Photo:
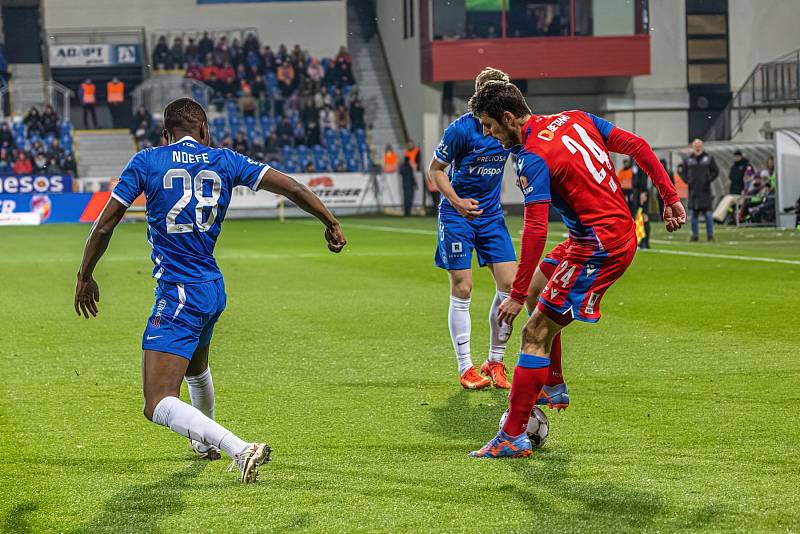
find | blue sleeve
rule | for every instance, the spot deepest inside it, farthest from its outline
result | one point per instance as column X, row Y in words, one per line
column 247, row 171
column 132, row 180
column 602, row 125
column 451, row 145
column 533, row 178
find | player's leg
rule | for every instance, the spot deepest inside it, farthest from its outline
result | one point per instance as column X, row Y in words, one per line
column 530, row 375
column 554, row 393
column 495, row 249
column 499, row 332
column 454, row 253
column 201, row 392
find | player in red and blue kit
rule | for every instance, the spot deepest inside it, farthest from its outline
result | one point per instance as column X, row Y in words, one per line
column 563, row 159
column 188, row 187
column 471, row 219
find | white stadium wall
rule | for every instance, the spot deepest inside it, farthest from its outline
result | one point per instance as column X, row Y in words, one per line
column 320, row 27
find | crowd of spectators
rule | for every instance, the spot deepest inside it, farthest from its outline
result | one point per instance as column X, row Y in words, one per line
column 39, row 144
column 266, row 103
column 754, row 191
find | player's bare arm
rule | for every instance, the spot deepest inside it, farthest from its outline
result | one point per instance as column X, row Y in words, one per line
column 87, row 293
column 281, row 184
column 466, row 207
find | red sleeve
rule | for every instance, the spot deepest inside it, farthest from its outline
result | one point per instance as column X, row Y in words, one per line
column 534, row 236
column 625, row 142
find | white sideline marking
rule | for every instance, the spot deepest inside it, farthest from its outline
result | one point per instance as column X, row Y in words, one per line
column 722, row 256
column 417, row 231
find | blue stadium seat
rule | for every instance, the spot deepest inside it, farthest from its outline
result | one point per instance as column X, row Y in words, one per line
column 329, row 136
column 353, row 165
column 200, row 95
column 286, row 152
column 361, row 136
column 65, row 127
column 267, row 125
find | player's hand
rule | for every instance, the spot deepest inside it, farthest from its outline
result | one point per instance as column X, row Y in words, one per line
column 467, row 207
column 508, row 310
column 87, row 295
column 335, row 238
column 674, row 216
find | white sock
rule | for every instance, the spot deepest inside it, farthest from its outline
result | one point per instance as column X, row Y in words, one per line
column 190, row 422
column 201, row 391
column 498, row 332
column 460, row 327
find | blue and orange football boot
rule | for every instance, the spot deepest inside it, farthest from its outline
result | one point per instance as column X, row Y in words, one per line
column 554, row 397
column 505, row 446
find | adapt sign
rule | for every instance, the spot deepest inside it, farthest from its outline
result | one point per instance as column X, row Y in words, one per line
column 94, row 55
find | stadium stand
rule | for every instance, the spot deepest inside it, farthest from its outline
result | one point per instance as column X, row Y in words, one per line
column 297, row 112
column 38, row 143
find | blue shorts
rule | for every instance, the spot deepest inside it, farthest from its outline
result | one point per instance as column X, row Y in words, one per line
column 458, row 237
column 184, row 316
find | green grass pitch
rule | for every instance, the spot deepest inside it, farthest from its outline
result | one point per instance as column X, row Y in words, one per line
column 685, row 396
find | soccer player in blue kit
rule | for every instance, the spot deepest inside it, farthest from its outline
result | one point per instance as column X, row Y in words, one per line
column 471, row 218
column 188, row 187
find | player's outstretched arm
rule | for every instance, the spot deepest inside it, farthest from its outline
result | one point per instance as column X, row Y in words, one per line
column 281, row 184
column 467, row 207
column 87, row 293
column 625, row 142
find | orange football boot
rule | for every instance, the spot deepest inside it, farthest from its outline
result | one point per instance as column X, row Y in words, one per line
column 497, row 372
column 470, row 379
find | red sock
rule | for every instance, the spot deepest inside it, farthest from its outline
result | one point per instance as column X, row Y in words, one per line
column 554, row 371
column 530, row 375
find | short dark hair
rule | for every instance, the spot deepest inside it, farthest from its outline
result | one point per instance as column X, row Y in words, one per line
column 496, row 97
column 184, row 114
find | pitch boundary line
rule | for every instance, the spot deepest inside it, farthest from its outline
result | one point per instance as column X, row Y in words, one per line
column 417, row 231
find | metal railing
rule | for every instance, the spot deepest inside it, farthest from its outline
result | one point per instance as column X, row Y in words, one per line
column 775, row 84
column 23, row 95
column 158, row 91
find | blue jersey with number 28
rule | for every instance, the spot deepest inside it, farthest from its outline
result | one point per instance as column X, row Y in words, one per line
column 188, row 188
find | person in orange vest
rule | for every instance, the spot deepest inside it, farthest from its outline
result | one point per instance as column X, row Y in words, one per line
column 88, row 97
column 389, row 160
column 625, row 177
column 414, row 157
column 115, row 96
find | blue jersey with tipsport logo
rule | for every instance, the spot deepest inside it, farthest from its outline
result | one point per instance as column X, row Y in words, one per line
column 476, row 164
column 188, row 188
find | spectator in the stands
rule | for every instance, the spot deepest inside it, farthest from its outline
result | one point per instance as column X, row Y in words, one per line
column 209, row 69
column 310, row 112
column 56, row 152
column 299, row 134
column 248, row 105
column 327, row 118
column 176, row 55
column 268, row 60
column 312, row 134
column 5, row 161
column 227, row 71
column 315, row 71
column 772, row 173
column 286, row 78
column 205, row 46
column 357, row 114
column 250, row 43
column 342, row 73
column 285, row 131
column 240, row 143
column 6, row 136
column 344, row 54
column 22, row 165
column 229, row 88
column 191, row 54
column 272, row 147
column 193, row 71
column 221, row 52
column 140, row 116
column 39, row 163
column 342, row 118
column 235, row 52
column 50, row 121
column 701, row 170
column 33, row 122
column 282, row 54
column 161, row 53
column 69, row 166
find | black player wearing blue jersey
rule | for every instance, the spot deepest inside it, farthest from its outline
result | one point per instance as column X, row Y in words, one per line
column 471, row 218
column 188, row 187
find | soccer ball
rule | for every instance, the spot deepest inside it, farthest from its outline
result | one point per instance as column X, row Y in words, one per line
column 538, row 427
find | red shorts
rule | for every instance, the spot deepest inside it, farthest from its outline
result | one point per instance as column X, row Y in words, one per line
column 579, row 275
